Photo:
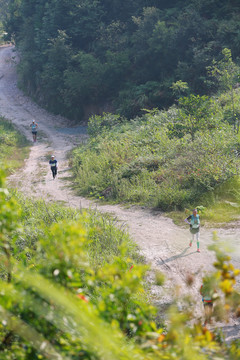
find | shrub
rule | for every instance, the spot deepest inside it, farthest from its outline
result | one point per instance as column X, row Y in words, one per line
column 98, row 124
column 171, row 196
column 139, row 163
column 54, row 305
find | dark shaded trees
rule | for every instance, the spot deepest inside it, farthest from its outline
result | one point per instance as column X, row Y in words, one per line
column 135, row 50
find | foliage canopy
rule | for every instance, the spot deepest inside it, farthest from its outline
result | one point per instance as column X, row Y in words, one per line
column 81, row 55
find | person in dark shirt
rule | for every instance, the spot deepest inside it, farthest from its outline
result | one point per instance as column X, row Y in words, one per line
column 53, row 164
column 194, row 222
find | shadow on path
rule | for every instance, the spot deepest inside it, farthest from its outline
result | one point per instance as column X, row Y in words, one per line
column 182, row 254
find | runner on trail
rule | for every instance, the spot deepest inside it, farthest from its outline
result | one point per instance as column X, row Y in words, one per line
column 194, row 222
column 34, row 126
column 53, row 165
column 207, row 299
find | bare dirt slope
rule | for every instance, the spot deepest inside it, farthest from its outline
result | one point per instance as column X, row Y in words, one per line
column 164, row 245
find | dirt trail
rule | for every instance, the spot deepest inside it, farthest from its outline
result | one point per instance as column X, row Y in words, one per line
column 164, row 245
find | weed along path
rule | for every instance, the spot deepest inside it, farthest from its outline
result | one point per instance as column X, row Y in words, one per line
column 164, row 245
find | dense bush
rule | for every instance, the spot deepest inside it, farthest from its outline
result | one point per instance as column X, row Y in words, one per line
column 126, row 56
column 143, row 162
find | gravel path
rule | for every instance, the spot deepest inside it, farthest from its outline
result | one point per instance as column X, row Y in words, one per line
column 163, row 244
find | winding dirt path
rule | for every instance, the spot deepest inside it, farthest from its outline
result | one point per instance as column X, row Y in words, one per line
column 164, row 245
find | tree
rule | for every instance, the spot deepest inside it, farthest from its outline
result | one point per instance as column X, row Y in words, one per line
column 195, row 113
column 179, row 88
column 226, row 72
column 4, row 5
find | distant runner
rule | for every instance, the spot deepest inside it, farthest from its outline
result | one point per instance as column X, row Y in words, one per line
column 53, row 165
column 194, row 222
column 207, row 299
column 34, row 126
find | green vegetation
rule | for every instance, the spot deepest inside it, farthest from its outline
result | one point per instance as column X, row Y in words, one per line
column 1, row 34
column 166, row 159
column 81, row 55
column 3, row 15
column 13, row 146
column 57, row 304
column 105, row 237
column 72, row 283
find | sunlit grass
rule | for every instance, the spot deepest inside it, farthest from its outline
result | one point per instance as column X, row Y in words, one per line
column 221, row 213
column 106, row 234
column 14, row 147
column 221, row 206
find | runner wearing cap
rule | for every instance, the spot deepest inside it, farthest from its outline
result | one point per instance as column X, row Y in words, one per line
column 53, row 165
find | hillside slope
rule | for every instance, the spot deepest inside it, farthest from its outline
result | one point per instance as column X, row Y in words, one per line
column 163, row 244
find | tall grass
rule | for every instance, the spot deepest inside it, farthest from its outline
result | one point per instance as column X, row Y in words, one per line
column 105, row 234
column 14, row 148
column 223, row 204
column 138, row 163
